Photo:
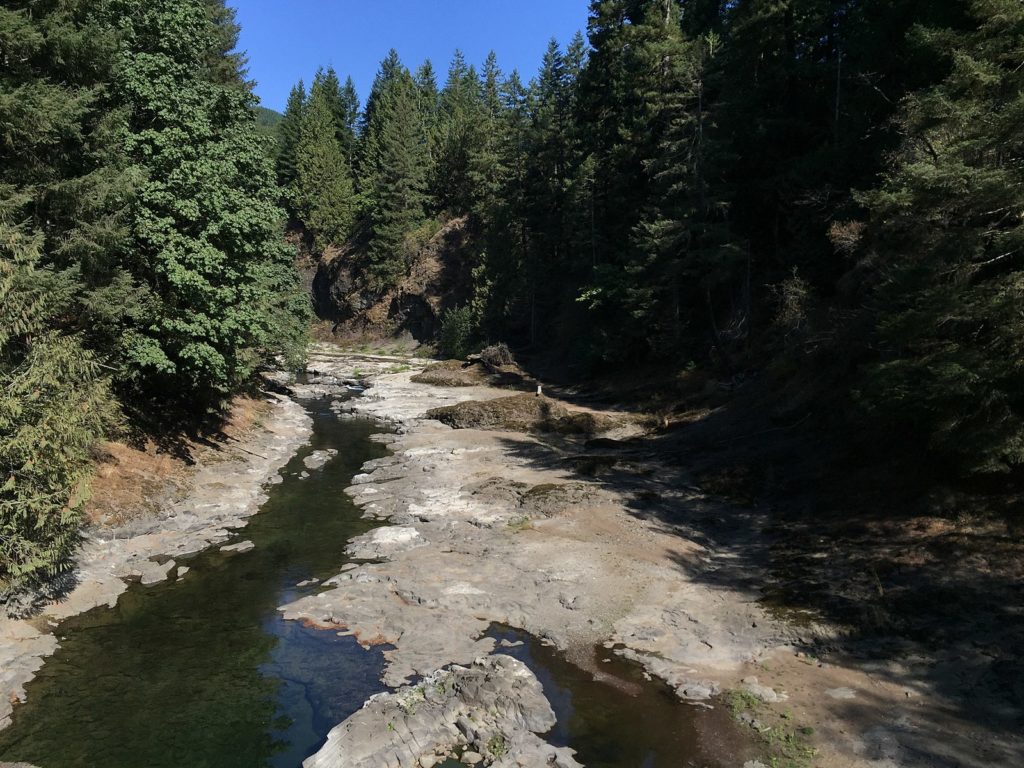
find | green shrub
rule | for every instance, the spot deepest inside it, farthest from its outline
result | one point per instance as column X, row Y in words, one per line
column 457, row 332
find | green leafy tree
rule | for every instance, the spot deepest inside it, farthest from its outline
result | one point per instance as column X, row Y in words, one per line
column 206, row 226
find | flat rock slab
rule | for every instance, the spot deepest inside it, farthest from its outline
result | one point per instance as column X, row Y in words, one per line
column 242, row 546
column 490, row 527
column 841, row 693
column 489, row 712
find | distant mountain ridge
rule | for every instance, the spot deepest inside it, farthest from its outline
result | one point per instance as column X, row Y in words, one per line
column 268, row 123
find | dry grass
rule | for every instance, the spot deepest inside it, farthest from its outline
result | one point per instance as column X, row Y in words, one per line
column 133, row 482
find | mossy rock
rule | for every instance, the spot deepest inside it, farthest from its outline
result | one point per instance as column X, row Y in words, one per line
column 452, row 373
column 523, row 413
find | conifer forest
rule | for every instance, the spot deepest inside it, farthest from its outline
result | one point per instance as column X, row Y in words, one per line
column 789, row 232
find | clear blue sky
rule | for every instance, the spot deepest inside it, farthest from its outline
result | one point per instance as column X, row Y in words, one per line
column 288, row 39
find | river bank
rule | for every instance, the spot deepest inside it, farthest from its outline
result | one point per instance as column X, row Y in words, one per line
column 604, row 552
column 507, row 527
column 226, row 487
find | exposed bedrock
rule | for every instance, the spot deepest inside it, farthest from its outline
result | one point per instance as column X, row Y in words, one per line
column 488, row 713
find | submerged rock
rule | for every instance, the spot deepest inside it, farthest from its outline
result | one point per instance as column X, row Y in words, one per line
column 317, row 459
column 242, row 546
column 492, row 711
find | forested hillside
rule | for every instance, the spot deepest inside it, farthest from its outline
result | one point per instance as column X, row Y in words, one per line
column 822, row 195
column 144, row 276
column 828, row 193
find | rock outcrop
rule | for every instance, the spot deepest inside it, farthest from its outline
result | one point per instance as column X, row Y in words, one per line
column 488, row 713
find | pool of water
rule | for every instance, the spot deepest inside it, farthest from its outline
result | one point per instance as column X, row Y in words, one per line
column 203, row 672
column 616, row 718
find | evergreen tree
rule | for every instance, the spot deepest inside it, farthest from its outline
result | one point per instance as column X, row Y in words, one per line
column 55, row 404
column 459, row 136
column 291, row 133
column 394, row 168
column 347, row 118
column 946, row 228
column 390, row 70
column 547, row 175
column 429, row 104
column 224, row 64
column 343, row 102
column 484, row 168
column 323, row 190
column 500, row 279
column 206, row 229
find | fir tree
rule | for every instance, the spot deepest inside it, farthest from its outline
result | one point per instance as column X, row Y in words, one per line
column 323, row 191
column 55, row 405
column 291, row 133
column 428, row 100
column 347, row 119
column 394, row 168
column 947, row 228
column 459, row 137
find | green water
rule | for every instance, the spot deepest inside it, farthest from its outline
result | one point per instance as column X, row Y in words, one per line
column 615, row 718
column 203, row 673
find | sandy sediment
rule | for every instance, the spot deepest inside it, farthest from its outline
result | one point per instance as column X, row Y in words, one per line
column 223, row 495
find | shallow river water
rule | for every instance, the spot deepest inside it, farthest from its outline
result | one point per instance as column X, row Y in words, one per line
column 203, row 673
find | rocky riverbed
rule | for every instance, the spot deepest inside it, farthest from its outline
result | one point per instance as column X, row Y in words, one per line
column 225, row 490
column 499, row 526
column 551, row 520
column 487, row 527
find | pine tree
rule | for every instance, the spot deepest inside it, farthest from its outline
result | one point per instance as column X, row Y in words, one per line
column 323, row 190
column 393, row 170
column 291, row 132
column 946, row 228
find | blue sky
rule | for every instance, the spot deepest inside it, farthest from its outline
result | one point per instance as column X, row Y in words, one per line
column 288, row 39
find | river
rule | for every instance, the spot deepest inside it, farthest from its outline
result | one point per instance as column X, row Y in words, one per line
column 203, row 672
